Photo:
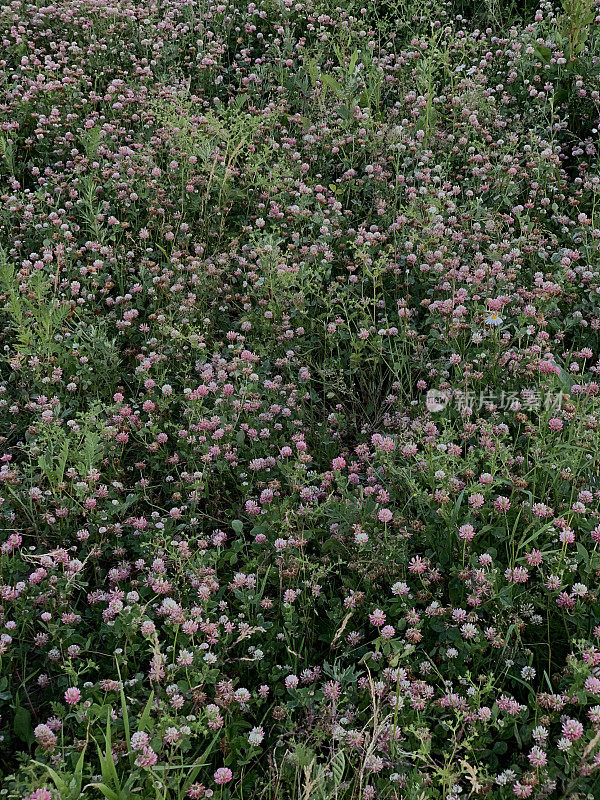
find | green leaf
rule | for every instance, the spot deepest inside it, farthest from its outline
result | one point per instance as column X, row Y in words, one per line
column 144, row 721
column 517, row 736
column 331, row 83
column 107, row 762
column 544, row 53
column 60, row 784
column 201, row 763
column 124, row 711
column 79, row 770
column 22, row 725
column 238, row 526
column 108, row 793
column 338, row 764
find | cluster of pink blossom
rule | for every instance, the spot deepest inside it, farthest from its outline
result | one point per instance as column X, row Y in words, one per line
column 299, row 400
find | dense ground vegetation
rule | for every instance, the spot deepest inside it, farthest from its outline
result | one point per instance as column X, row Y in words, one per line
column 299, row 400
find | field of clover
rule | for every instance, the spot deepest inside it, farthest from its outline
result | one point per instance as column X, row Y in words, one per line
column 299, row 400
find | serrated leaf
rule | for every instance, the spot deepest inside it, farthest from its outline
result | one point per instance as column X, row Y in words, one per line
column 331, row 83
column 338, row 765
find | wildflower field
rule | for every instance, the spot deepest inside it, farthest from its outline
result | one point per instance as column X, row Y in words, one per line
column 299, row 400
